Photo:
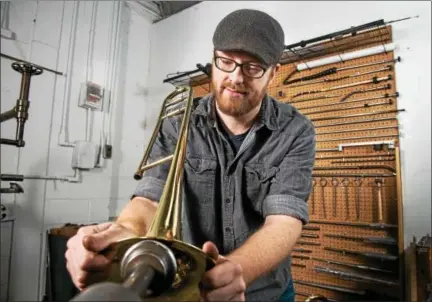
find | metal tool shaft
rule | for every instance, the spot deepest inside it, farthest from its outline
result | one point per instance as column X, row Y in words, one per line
column 372, row 255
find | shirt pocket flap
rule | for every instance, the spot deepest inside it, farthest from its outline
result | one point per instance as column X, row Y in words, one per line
column 200, row 166
column 263, row 174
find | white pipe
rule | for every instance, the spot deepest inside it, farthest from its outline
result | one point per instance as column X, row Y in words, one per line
column 114, row 82
column 347, row 56
column 33, row 32
column 63, row 135
column 89, row 68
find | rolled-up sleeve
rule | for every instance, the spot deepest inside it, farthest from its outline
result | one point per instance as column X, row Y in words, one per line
column 292, row 184
column 153, row 181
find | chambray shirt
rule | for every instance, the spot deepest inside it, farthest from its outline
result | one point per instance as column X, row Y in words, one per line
column 228, row 195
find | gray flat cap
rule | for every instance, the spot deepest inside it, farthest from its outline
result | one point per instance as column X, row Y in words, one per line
column 252, row 31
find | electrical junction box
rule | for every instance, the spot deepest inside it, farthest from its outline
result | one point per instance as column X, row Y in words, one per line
column 85, row 155
column 91, row 96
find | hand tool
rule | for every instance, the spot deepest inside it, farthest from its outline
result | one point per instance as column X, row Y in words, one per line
column 380, row 226
column 372, row 255
column 311, row 228
column 346, row 183
column 300, row 250
column 360, row 106
column 354, row 276
column 301, row 242
column 356, row 74
column 333, row 288
column 345, row 264
column 384, row 96
column 300, row 257
column 380, row 202
column 334, row 70
column 373, row 240
column 313, row 195
column 335, row 183
column 298, row 265
column 366, row 90
column 306, row 235
column 374, row 80
column 323, row 183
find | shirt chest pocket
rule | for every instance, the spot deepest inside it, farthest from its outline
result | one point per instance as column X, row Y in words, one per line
column 258, row 180
column 199, row 180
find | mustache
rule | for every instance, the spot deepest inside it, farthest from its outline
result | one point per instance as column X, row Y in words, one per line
column 235, row 88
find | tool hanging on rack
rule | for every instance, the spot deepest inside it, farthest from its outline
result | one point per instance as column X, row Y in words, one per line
column 372, row 225
column 20, row 111
column 335, row 70
column 350, row 76
column 345, row 264
column 354, row 276
column 362, row 106
column 372, row 240
column 340, row 289
column 374, row 80
column 371, row 255
column 384, row 96
column 330, row 96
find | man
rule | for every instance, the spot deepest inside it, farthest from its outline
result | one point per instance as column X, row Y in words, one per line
column 247, row 174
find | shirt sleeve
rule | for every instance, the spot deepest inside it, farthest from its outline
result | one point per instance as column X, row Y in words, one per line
column 153, row 181
column 292, row 183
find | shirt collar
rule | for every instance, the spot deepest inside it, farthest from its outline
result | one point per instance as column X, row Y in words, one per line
column 267, row 115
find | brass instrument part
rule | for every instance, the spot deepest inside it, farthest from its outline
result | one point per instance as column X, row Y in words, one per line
column 174, row 267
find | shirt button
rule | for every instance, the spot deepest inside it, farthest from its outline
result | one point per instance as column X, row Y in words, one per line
column 228, row 230
column 227, row 200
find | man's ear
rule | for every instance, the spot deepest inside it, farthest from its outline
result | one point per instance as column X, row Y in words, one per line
column 273, row 73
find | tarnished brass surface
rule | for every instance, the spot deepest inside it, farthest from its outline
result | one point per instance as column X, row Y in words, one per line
column 191, row 261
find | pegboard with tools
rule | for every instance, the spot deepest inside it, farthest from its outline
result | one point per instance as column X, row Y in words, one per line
column 353, row 247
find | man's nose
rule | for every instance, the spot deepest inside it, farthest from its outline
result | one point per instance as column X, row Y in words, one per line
column 236, row 76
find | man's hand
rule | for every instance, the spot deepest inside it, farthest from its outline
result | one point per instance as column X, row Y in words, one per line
column 225, row 281
column 83, row 259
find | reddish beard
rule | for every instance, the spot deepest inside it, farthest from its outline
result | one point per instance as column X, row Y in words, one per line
column 236, row 105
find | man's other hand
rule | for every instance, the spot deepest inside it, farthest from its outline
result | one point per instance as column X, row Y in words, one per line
column 224, row 282
column 85, row 263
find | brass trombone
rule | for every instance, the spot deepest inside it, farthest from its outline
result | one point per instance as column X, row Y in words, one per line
column 160, row 266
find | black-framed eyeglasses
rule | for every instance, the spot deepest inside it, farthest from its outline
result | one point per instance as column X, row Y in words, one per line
column 251, row 70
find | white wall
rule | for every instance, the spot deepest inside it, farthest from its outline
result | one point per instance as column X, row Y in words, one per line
column 183, row 40
column 102, row 191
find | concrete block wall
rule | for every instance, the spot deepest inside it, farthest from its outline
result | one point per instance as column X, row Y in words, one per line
column 43, row 30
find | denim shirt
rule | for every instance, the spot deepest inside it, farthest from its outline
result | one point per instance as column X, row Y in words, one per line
column 228, row 195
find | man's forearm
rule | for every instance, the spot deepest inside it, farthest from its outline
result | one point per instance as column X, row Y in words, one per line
column 137, row 215
column 268, row 247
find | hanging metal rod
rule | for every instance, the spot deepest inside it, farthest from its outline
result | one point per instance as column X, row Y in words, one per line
column 345, row 96
column 386, row 95
column 349, row 31
column 374, row 80
column 365, row 105
column 333, row 70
